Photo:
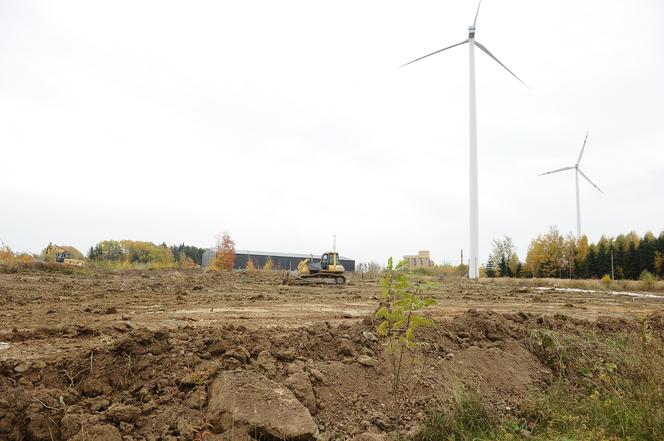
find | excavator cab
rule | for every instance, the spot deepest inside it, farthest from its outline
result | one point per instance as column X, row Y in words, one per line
column 60, row 257
column 330, row 262
column 325, row 261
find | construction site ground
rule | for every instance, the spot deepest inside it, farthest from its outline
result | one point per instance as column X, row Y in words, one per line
column 150, row 342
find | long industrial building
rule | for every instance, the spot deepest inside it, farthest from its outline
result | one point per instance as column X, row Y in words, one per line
column 280, row 261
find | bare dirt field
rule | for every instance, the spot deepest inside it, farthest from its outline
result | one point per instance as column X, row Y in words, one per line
column 143, row 354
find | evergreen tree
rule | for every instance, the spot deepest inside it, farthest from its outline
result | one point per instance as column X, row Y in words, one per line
column 647, row 248
column 603, row 260
column 490, row 268
column 504, row 268
column 632, row 267
column 191, row 252
column 619, row 246
column 591, row 263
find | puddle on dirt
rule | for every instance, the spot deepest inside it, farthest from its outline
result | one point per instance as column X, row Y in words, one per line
column 348, row 308
column 221, row 309
column 594, row 291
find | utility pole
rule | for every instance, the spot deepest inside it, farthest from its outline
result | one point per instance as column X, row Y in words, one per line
column 613, row 276
column 462, row 257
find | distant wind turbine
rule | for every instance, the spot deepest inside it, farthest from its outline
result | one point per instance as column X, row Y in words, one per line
column 577, row 171
column 473, row 263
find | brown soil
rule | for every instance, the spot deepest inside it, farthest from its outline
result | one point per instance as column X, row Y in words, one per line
column 131, row 354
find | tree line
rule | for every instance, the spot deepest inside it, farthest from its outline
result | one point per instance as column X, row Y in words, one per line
column 139, row 252
column 626, row 256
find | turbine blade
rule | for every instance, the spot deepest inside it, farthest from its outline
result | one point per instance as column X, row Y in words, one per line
column 481, row 46
column 591, row 182
column 434, row 53
column 477, row 13
column 582, row 149
column 556, row 171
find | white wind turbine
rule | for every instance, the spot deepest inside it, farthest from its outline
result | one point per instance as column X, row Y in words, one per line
column 577, row 171
column 473, row 262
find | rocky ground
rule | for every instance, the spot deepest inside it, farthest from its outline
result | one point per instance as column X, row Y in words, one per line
column 194, row 355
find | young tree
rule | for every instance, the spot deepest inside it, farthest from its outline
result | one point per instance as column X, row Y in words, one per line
column 514, row 266
column 401, row 299
column 502, row 253
column 250, row 267
column 268, row 265
column 490, row 268
column 225, row 258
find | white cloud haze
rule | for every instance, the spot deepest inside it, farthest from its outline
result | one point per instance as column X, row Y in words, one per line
column 287, row 122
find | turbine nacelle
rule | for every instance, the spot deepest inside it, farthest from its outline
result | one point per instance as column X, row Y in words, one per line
column 471, row 32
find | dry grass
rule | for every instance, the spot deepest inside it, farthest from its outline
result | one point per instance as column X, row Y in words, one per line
column 608, row 386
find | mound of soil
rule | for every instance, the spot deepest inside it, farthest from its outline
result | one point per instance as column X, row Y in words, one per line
column 155, row 355
column 329, row 379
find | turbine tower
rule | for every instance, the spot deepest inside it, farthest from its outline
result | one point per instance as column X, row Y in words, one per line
column 577, row 171
column 473, row 262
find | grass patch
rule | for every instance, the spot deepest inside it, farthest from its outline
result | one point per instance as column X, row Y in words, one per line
column 607, row 386
column 468, row 418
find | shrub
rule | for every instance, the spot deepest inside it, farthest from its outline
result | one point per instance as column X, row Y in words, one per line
column 647, row 280
column 268, row 265
column 7, row 257
column 250, row 265
column 606, row 280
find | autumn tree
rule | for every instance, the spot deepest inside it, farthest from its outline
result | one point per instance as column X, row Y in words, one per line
column 545, row 254
column 140, row 252
column 250, row 265
column 504, row 260
column 555, row 255
column 269, row 264
column 225, row 257
column 107, row 250
column 659, row 263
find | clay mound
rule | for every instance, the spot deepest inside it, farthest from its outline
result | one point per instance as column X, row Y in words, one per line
column 475, row 325
column 249, row 402
column 144, row 341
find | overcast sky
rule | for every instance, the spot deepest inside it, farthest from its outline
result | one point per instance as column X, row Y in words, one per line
column 287, row 122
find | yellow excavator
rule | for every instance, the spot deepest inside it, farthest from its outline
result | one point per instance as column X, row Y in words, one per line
column 328, row 270
column 62, row 255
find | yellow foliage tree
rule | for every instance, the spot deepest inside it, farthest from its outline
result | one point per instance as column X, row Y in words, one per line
column 545, row 256
column 250, row 265
column 6, row 255
column 225, row 257
column 147, row 252
column 268, row 265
